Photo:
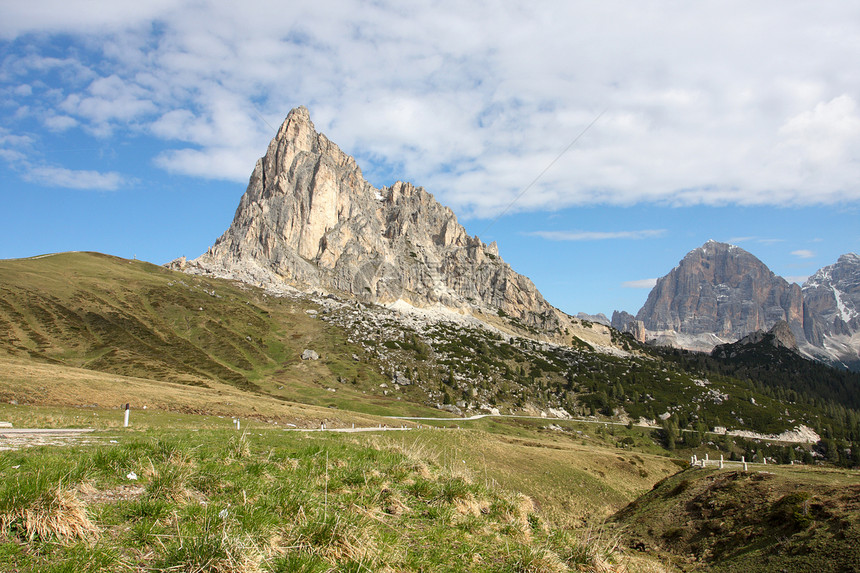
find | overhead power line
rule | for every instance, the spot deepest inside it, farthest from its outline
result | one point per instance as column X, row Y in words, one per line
column 545, row 169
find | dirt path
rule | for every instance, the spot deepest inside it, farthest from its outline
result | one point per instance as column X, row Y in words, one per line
column 19, row 438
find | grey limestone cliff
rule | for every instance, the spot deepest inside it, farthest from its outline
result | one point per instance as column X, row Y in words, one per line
column 626, row 322
column 720, row 293
column 723, row 290
column 832, row 310
column 779, row 336
column 309, row 219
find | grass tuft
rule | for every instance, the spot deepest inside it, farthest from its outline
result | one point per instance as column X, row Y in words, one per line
column 42, row 508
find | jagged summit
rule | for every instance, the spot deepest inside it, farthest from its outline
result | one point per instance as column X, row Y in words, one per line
column 310, row 220
column 832, row 310
column 780, row 336
column 760, row 345
column 721, row 290
column 719, row 293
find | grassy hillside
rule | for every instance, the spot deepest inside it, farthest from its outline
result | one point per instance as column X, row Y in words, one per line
column 76, row 397
column 519, row 498
column 267, row 502
column 137, row 320
column 781, row 519
column 83, row 333
column 510, row 496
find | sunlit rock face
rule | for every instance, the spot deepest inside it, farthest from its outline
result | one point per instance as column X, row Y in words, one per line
column 723, row 290
column 832, row 310
column 310, row 220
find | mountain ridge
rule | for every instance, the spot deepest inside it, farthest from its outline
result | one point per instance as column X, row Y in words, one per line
column 720, row 293
column 309, row 220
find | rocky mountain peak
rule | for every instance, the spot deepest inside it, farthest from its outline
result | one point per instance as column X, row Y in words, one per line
column 310, row 220
column 721, row 289
column 778, row 337
column 626, row 322
column 783, row 336
column 832, row 309
column 833, row 292
column 849, row 259
column 719, row 293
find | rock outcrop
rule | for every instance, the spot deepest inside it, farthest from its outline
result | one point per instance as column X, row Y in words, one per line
column 599, row 318
column 832, row 298
column 626, row 322
column 831, row 318
column 780, row 336
column 722, row 290
column 310, row 220
column 720, row 294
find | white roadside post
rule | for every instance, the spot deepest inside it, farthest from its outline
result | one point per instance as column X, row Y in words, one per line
column 125, row 421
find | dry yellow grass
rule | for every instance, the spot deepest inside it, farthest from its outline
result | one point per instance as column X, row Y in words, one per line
column 570, row 483
column 471, row 505
column 28, row 382
column 60, row 514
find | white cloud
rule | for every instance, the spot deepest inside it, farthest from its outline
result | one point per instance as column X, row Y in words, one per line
column 823, row 134
column 13, row 147
column 211, row 163
column 107, row 101
column 641, row 283
column 597, row 235
column 51, row 176
column 763, row 240
column 59, row 122
column 79, row 16
column 723, row 103
column 803, row 254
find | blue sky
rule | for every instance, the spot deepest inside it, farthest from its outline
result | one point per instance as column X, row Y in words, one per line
column 131, row 129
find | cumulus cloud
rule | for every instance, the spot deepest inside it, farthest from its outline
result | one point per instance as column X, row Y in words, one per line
column 108, row 101
column 211, row 163
column 59, row 122
column 14, row 148
column 52, row 176
column 62, row 16
column 727, row 103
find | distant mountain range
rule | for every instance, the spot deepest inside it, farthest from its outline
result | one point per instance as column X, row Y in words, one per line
column 310, row 221
column 402, row 308
column 720, row 293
